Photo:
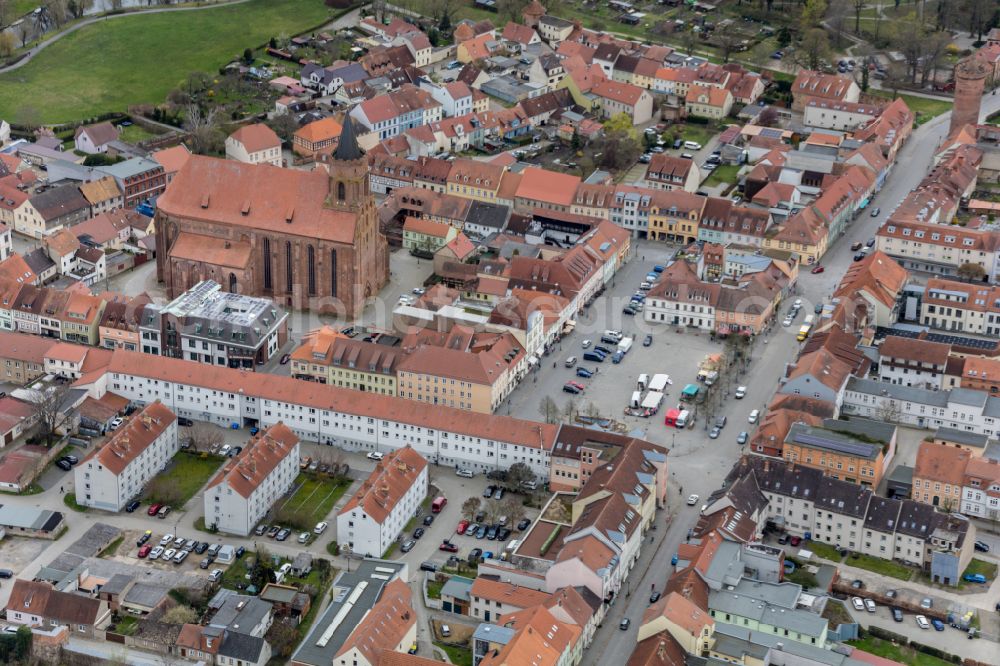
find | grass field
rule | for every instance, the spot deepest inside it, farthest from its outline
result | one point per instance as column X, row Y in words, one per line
column 724, row 174
column 879, row 566
column 69, row 499
column 187, row 474
column 137, row 59
column 459, row 656
column 977, row 566
column 134, row 134
column 903, row 655
column 314, row 498
column 824, row 550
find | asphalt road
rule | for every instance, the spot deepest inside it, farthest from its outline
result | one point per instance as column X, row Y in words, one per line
column 702, row 472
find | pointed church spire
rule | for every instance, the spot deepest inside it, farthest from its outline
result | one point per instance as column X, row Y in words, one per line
column 347, row 148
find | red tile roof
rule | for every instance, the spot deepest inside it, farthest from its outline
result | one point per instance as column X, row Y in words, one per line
column 256, row 137
column 257, row 460
column 624, row 93
column 134, row 437
column 547, row 186
column 388, row 483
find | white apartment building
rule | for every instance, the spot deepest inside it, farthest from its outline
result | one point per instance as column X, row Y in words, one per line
column 254, row 144
column 116, row 472
column 939, row 248
column 981, row 489
column 376, row 514
column 960, row 306
column 959, row 408
column 351, row 420
column 249, row 484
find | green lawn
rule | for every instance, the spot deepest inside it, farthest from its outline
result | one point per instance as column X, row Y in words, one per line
column 134, row 134
column 112, row 64
column 724, row 174
column 879, row 566
column 459, row 656
column 112, row 547
column 186, row 475
column 824, row 550
column 434, row 589
column 977, row 566
column 69, row 499
column 925, row 108
column 903, row 655
column 312, row 502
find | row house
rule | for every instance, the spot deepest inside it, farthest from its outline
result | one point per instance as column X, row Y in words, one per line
column 873, row 285
column 857, row 451
column 616, row 97
column 139, row 179
column 103, row 195
column 809, row 84
column 630, row 208
column 116, row 472
column 981, row 489
column 395, row 112
column 636, row 69
column 802, row 499
column 329, row 357
column 959, row 306
column 804, row 233
column 455, row 97
column 960, row 409
column 708, row 102
column 676, row 215
column 387, row 173
column 890, row 129
column 546, row 70
column 544, row 190
column 22, row 357
column 353, row 420
column 472, row 179
column 51, row 210
column 940, row 249
column 938, row 475
column 723, row 222
column 910, row 362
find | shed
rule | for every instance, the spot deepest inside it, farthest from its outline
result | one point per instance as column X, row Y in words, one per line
column 455, row 595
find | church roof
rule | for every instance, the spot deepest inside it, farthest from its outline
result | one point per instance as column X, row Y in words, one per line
column 348, row 148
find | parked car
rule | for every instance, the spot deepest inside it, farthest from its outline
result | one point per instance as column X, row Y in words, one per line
column 417, row 533
column 857, row 245
column 475, row 554
column 184, row 422
column 428, row 519
column 570, row 362
column 586, row 373
column 201, row 547
column 498, row 493
column 858, row 603
column 205, row 562
column 870, row 605
column 146, row 536
column 523, row 525
column 215, row 576
column 982, row 546
column 714, row 433
column 132, row 506
column 375, row 455
column 488, row 491
column 742, row 438
column 144, row 551
column 817, row 269
column 408, row 546
column 922, row 622
column 63, row 465
column 283, row 534
column 647, row 341
column 304, row 537
column 168, row 554
column 875, row 211
column 180, row 556
column 857, row 583
column 460, row 528
column 937, row 624
column 448, row 547
column 156, row 552
column 654, row 597
column 320, row 527
column 481, row 532
column 795, row 541
column 927, row 603
column 754, row 415
column 624, row 624
column 692, row 500
column 261, row 530
column 897, row 615
column 974, row 578
column 163, row 512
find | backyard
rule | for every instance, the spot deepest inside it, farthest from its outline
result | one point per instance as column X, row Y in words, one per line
column 138, row 59
column 880, row 566
column 898, row 653
column 314, row 498
column 183, row 478
column 977, row 566
column 723, row 174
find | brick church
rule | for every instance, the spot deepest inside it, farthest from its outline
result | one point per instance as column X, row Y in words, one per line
column 307, row 240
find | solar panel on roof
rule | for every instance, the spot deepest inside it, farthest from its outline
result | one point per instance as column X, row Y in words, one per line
column 839, row 446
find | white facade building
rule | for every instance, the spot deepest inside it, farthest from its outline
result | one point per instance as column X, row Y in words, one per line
column 116, row 472
column 376, row 514
column 351, row 420
column 249, row 484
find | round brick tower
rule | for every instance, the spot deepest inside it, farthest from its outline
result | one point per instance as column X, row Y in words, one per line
column 970, row 79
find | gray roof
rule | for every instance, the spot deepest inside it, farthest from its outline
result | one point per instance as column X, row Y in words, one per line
column 145, row 595
column 457, row 587
column 901, row 474
column 486, row 214
column 917, row 519
column 493, row 633
column 129, row 168
column 207, row 312
column 59, row 201
column 318, row 648
column 822, row 439
column 241, row 646
column 964, row 396
column 347, row 146
column 116, row 584
column 803, row 622
column 897, row 392
column 883, row 514
column 962, row 437
column 811, row 653
column 240, row 613
column 38, row 261
column 29, row 517
column 883, row 432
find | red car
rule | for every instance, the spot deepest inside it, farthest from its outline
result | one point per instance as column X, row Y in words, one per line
column 818, row 269
column 153, row 510
column 577, row 385
column 462, row 524
column 448, row 547
column 795, row 541
column 144, row 551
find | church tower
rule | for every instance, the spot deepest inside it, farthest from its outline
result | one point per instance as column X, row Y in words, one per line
column 348, row 172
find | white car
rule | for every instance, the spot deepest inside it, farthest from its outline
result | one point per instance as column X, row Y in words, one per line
column 225, row 450
column 304, row 537
column 741, row 392
column 156, row 552
column 215, row 576
column 692, row 500
column 320, row 527
column 858, row 603
column 870, row 605
column 922, row 622
column 167, row 539
column 786, row 322
column 585, row 344
column 406, row 299
column 117, row 423
column 180, row 556
column 754, row 415
column 419, row 291
column 693, row 145
column 375, row 455
column 285, row 568
column 168, row 554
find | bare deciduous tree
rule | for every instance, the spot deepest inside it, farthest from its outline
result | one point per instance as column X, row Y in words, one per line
column 470, row 506
column 180, row 615
column 50, row 411
column 549, row 409
column 203, row 129
column 204, row 436
column 7, row 44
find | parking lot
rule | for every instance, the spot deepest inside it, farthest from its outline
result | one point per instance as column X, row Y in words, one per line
column 675, row 352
